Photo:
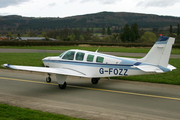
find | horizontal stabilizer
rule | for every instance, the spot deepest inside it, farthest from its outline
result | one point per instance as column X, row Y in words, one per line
column 171, row 67
column 149, row 68
column 62, row 71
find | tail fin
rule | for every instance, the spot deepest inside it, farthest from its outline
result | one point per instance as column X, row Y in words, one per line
column 160, row 52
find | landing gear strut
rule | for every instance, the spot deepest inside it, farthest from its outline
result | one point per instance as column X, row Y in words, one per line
column 95, row 80
column 48, row 79
column 62, row 86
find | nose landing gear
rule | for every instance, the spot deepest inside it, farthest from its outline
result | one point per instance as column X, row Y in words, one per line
column 48, row 79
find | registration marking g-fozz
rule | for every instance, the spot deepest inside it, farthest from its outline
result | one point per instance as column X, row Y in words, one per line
column 114, row 71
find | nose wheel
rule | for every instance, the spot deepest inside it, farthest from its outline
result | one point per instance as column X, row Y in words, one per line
column 48, row 79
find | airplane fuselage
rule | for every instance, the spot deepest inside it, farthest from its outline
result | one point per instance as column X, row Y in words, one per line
column 94, row 64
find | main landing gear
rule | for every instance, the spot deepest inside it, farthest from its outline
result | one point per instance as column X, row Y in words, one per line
column 95, row 80
column 62, row 86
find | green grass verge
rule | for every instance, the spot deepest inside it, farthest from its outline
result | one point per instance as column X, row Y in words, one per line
column 27, row 59
column 8, row 112
column 34, row 59
column 92, row 48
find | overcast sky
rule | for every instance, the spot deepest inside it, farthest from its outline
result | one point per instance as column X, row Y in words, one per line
column 65, row 8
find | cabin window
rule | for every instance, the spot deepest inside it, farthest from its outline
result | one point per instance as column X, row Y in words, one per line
column 99, row 59
column 90, row 58
column 69, row 55
column 79, row 56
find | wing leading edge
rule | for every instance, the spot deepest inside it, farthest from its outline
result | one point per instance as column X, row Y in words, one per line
column 61, row 71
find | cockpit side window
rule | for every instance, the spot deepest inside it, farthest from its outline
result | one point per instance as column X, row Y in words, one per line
column 99, row 59
column 69, row 55
column 79, row 56
column 90, row 58
column 61, row 54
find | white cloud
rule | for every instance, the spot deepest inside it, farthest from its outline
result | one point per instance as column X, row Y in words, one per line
column 51, row 4
column 6, row 3
column 4, row 13
column 157, row 3
column 64, row 8
column 99, row 1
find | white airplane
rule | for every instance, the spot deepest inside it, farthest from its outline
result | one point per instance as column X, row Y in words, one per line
column 96, row 65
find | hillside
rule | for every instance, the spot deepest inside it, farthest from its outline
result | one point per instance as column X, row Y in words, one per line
column 97, row 20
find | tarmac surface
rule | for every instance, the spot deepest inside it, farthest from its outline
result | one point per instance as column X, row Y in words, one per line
column 110, row 100
column 61, row 51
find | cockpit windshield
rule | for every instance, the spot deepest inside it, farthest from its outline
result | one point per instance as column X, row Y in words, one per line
column 69, row 55
column 61, row 54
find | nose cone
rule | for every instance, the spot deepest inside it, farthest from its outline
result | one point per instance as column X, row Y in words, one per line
column 46, row 58
column 45, row 61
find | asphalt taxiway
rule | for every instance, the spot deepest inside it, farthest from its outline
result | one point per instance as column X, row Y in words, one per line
column 112, row 100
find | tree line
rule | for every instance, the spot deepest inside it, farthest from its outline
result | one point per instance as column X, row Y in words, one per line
column 96, row 20
column 126, row 34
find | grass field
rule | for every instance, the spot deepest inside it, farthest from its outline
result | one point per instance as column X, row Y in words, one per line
column 35, row 59
column 8, row 112
column 93, row 48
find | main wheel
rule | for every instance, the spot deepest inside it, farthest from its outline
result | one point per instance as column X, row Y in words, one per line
column 62, row 86
column 95, row 80
column 48, row 79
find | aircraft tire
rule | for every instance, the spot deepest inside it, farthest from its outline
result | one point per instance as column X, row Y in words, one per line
column 95, row 80
column 63, row 86
column 48, row 79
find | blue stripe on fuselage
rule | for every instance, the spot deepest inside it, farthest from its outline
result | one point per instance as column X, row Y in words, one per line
column 91, row 64
column 103, row 65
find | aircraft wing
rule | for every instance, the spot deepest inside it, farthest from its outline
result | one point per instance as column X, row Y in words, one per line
column 62, row 71
column 149, row 68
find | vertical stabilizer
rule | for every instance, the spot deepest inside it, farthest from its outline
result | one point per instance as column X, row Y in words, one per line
column 160, row 52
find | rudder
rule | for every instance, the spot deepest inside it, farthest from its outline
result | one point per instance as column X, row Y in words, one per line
column 160, row 52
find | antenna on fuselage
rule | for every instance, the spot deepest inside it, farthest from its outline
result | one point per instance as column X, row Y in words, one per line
column 98, row 49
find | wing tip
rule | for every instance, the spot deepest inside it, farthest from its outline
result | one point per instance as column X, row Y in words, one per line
column 6, row 65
